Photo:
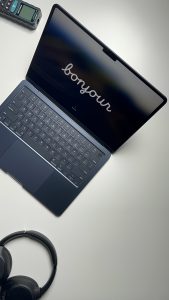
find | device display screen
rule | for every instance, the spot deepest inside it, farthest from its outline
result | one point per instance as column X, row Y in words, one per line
column 102, row 94
column 27, row 12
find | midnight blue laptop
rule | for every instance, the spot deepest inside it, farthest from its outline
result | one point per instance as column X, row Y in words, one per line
column 79, row 103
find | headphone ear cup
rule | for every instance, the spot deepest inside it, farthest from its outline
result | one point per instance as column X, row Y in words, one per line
column 5, row 263
column 20, row 287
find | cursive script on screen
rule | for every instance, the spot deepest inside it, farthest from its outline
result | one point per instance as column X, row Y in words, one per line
column 86, row 89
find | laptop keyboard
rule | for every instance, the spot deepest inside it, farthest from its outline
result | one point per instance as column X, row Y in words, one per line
column 45, row 131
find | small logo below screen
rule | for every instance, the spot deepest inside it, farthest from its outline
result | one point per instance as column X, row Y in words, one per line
column 84, row 89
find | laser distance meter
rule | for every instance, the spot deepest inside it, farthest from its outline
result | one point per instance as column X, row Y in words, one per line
column 21, row 12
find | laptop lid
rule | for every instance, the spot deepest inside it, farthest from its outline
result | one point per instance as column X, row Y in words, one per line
column 83, row 76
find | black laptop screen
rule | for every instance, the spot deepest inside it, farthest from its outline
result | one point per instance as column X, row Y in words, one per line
column 102, row 94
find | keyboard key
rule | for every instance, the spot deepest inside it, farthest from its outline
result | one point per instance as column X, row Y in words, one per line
column 31, row 125
column 42, row 135
column 31, row 105
column 10, row 115
column 23, row 109
column 19, row 132
column 2, row 117
column 34, row 119
column 25, row 101
column 29, row 114
column 42, row 115
column 41, row 142
column 7, row 122
column 17, row 102
column 20, row 116
column 29, row 133
column 54, row 162
column 18, row 124
column 12, row 107
column 33, row 97
column 35, row 138
column 12, row 127
column 39, row 123
column 36, row 110
column 38, row 102
column 51, row 133
column 26, row 91
column 44, row 107
column 52, row 152
column 20, row 96
column 37, row 130
column 49, row 112
column 26, row 120
column 46, row 147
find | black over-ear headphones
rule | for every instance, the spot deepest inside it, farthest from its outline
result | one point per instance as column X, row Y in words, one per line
column 23, row 287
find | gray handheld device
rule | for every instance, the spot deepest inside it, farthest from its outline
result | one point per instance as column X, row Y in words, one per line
column 21, row 12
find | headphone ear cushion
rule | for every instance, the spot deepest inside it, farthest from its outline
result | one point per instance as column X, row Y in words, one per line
column 5, row 263
column 20, row 287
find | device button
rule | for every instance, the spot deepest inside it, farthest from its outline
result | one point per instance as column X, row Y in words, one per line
column 14, row 6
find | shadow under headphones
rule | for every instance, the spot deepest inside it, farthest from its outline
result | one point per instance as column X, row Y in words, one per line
column 23, row 287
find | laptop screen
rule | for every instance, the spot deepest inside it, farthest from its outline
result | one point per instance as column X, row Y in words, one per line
column 107, row 98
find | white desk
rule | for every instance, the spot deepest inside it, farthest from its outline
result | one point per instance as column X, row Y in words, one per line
column 113, row 241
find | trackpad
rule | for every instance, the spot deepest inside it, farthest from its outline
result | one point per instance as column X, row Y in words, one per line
column 25, row 166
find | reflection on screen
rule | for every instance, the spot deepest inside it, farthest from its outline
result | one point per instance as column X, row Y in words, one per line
column 101, row 93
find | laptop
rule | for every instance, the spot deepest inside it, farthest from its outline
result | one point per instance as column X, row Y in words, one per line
column 78, row 104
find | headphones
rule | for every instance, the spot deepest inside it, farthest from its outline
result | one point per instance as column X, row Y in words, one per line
column 23, row 287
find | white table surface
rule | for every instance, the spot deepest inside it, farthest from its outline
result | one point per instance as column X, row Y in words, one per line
column 113, row 241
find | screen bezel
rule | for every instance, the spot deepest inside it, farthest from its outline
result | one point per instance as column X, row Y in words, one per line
column 114, row 57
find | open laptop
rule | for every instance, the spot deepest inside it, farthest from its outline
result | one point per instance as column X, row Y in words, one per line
column 78, row 104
